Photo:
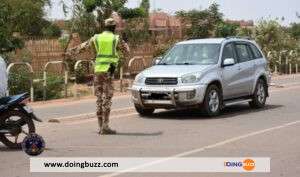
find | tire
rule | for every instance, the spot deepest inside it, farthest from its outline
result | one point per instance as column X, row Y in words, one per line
column 260, row 95
column 212, row 101
column 29, row 123
column 144, row 111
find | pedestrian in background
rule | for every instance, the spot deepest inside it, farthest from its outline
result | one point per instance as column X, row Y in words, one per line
column 106, row 46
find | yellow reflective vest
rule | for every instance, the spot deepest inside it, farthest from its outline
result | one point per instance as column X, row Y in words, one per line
column 106, row 47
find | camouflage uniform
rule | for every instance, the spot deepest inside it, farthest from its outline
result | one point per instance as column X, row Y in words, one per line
column 103, row 82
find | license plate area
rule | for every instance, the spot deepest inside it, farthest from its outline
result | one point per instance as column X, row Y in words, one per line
column 156, row 96
column 159, row 102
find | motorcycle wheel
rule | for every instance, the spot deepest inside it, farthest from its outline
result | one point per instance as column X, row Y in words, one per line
column 11, row 139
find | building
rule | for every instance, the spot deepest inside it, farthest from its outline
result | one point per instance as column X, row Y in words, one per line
column 159, row 23
column 242, row 23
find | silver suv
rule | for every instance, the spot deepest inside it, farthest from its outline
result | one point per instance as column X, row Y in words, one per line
column 204, row 73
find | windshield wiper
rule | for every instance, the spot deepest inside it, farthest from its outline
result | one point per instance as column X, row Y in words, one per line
column 162, row 64
column 186, row 63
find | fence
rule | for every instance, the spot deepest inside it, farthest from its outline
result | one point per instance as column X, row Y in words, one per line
column 279, row 62
column 284, row 62
column 42, row 51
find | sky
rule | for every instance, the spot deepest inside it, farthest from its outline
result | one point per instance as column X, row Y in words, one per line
column 232, row 9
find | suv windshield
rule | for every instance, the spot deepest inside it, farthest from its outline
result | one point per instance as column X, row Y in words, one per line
column 193, row 54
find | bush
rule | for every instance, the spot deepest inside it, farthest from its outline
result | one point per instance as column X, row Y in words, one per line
column 226, row 30
column 20, row 83
column 127, row 13
column 136, row 31
column 52, row 30
column 54, row 88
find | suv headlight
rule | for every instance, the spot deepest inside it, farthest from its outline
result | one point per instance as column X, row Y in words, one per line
column 191, row 78
column 139, row 79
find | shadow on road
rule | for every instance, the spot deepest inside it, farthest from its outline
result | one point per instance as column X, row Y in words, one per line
column 6, row 149
column 228, row 112
column 139, row 134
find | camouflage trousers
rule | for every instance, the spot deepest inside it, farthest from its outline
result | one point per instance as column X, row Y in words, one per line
column 104, row 91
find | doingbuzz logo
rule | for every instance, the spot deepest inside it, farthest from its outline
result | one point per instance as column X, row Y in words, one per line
column 247, row 164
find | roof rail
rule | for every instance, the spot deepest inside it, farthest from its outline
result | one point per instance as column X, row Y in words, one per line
column 193, row 38
column 239, row 37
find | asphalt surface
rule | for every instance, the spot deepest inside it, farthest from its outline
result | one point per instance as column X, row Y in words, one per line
column 239, row 132
column 87, row 106
column 62, row 110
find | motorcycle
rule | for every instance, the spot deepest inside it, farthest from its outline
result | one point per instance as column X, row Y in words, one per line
column 16, row 120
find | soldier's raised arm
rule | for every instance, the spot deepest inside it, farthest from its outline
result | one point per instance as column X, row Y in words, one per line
column 124, row 49
column 87, row 45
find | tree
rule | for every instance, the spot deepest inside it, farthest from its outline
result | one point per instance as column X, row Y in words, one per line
column 272, row 37
column 226, row 29
column 294, row 30
column 104, row 8
column 25, row 18
column 82, row 22
column 201, row 23
column 214, row 13
column 8, row 42
column 28, row 16
column 145, row 4
column 137, row 24
column 50, row 30
column 129, row 13
column 245, row 32
column 139, row 12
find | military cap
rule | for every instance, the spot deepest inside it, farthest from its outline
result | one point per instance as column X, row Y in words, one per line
column 110, row 22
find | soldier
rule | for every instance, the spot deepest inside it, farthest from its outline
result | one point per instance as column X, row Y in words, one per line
column 106, row 46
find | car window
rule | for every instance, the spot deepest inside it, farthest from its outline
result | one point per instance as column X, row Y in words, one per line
column 255, row 51
column 228, row 52
column 243, row 53
column 198, row 54
column 250, row 52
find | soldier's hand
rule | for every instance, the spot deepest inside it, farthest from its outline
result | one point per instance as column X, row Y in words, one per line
column 67, row 54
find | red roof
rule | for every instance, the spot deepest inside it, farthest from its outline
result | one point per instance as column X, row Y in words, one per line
column 163, row 20
column 241, row 23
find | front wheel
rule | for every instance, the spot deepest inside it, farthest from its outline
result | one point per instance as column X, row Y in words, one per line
column 212, row 101
column 18, row 132
column 260, row 95
column 144, row 111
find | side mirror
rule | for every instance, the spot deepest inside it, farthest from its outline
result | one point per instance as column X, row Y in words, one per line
column 228, row 62
column 157, row 60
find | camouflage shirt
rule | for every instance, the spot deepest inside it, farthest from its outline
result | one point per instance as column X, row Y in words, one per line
column 122, row 47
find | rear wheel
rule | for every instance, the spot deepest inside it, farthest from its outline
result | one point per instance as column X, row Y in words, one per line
column 212, row 101
column 18, row 132
column 144, row 111
column 260, row 95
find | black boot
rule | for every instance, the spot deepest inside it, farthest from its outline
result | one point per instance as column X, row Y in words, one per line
column 107, row 131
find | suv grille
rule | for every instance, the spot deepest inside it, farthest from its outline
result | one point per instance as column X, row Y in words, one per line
column 161, row 81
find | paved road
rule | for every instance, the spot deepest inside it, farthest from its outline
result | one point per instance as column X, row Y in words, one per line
column 270, row 132
column 74, row 108
column 88, row 106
